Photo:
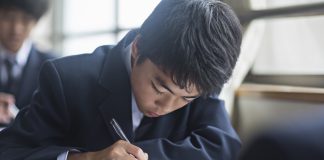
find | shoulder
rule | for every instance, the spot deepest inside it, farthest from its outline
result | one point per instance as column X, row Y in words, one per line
column 79, row 66
column 84, row 59
column 213, row 103
column 46, row 55
column 42, row 55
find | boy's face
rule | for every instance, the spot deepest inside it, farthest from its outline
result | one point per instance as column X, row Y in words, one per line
column 154, row 90
column 15, row 27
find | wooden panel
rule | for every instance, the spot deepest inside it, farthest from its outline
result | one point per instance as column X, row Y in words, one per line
column 258, row 106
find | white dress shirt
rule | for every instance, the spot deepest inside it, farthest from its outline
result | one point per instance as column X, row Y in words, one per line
column 136, row 114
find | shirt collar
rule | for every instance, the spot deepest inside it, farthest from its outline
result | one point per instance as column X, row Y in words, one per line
column 21, row 56
column 137, row 115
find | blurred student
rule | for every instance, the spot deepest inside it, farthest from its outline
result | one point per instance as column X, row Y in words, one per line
column 158, row 83
column 298, row 138
column 20, row 61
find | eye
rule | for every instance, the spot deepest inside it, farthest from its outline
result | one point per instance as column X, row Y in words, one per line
column 156, row 90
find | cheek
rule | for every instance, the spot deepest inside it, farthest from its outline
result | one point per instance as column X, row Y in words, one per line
column 28, row 29
column 142, row 91
column 178, row 104
column 181, row 104
column 146, row 100
column 4, row 28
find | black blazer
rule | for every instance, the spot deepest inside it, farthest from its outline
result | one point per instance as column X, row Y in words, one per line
column 300, row 138
column 79, row 95
column 28, row 81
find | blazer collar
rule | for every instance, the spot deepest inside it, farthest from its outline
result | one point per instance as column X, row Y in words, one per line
column 115, row 78
column 28, row 75
column 114, row 69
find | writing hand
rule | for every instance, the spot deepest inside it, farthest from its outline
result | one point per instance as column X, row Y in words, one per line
column 121, row 150
column 6, row 100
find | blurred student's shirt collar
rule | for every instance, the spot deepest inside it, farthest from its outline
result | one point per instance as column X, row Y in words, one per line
column 21, row 56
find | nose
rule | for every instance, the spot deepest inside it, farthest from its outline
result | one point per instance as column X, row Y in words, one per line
column 17, row 27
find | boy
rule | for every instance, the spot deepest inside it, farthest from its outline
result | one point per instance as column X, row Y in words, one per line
column 157, row 83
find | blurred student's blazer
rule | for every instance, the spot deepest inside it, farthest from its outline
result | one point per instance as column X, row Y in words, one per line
column 28, row 81
column 299, row 138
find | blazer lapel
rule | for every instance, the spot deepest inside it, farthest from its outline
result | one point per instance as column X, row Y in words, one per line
column 115, row 79
column 28, row 77
column 144, row 128
column 116, row 106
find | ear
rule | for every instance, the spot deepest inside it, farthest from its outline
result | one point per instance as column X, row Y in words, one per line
column 134, row 48
column 134, row 51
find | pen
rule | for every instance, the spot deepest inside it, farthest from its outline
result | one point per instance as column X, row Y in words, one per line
column 118, row 130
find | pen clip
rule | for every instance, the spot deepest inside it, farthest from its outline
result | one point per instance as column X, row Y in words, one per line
column 118, row 130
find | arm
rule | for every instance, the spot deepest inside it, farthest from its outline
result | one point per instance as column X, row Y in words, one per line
column 38, row 131
column 211, row 136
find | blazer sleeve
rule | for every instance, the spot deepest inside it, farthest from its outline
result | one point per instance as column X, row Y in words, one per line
column 37, row 132
column 211, row 136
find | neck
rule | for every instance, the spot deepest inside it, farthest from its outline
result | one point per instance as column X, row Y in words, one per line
column 9, row 51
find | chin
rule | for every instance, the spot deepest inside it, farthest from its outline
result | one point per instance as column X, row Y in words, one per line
column 13, row 48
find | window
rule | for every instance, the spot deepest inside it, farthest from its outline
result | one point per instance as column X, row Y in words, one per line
column 289, row 45
column 88, row 24
column 268, row 4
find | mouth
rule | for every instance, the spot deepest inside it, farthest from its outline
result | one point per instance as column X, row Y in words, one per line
column 152, row 114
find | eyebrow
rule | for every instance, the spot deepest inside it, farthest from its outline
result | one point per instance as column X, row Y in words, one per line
column 162, row 83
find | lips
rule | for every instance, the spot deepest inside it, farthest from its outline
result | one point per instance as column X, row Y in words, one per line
column 153, row 114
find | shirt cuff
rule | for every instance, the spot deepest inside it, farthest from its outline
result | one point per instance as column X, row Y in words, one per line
column 64, row 155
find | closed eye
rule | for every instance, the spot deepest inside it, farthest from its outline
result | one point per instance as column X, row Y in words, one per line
column 155, row 88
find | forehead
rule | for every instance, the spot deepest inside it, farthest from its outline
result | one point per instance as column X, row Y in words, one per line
column 9, row 9
column 165, row 78
column 15, row 13
column 13, row 10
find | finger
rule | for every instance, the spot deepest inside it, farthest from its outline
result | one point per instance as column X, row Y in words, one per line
column 4, row 119
column 7, row 98
column 11, row 116
column 5, row 116
column 131, row 157
column 3, row 104
column 146, row 156
column 135, row 151
column 7, row 120
column 3, row 111
column 2, row 108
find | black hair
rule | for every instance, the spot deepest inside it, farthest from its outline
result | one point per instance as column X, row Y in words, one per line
column 196, row 41
column 36, row 8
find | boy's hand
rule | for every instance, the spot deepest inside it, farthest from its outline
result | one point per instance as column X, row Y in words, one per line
column 121, row 150
column 6, row 100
